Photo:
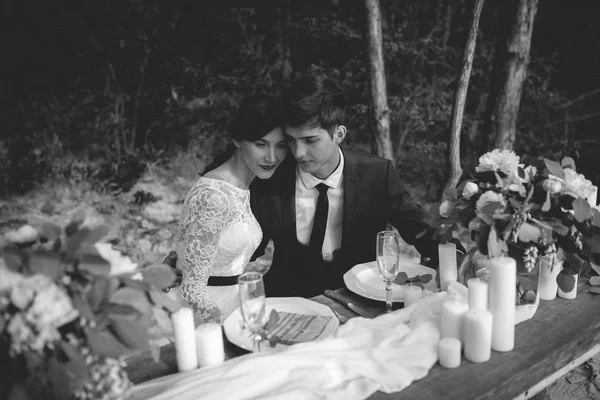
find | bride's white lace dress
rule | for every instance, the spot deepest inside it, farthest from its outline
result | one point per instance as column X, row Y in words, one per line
column 217, row 236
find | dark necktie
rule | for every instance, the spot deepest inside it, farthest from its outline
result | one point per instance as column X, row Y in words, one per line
column 320, row 223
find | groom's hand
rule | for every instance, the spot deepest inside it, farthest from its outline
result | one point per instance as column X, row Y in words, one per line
column 171, row 261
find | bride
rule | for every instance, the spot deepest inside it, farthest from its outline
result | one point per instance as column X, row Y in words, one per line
column 217, row 232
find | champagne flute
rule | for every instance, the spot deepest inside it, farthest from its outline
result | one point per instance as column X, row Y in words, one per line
column 388, row 257
column 252, row 304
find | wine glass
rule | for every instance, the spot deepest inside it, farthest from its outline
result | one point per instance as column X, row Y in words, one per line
column 252, row 304
column 388, row 257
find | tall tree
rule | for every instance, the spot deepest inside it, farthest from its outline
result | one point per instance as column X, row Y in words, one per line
column 508, row 74
column 458, row 108
column 381, row 112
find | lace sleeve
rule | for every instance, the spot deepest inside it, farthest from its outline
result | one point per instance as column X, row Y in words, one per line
column 205, row 213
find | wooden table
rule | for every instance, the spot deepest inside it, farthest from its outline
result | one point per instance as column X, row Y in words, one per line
column 562, row 335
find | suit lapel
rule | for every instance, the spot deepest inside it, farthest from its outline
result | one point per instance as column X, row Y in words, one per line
column 351, row 181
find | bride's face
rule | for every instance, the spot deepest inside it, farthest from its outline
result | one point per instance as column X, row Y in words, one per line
column 264, row 155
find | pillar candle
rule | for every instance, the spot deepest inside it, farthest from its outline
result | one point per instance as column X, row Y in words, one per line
column 209, row 344
column 451, row 318
column 448, row 269
column 478, row 293
column 412, row 294
column 593, row 198
column 503, row 292
column 477, row 333
column 185, row 339
column 572, row 294
column 547, row 285
column 449, row 352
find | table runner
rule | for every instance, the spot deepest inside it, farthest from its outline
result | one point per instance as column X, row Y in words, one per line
column 386, row 353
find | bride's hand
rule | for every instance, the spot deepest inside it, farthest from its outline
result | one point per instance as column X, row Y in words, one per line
column 259, row 265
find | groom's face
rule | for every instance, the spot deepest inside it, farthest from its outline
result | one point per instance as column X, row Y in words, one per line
column 315, row 149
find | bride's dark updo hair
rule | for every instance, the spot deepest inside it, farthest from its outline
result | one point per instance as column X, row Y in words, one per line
column 257, row 115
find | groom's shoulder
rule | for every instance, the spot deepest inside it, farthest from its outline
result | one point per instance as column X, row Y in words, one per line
column 364, row 159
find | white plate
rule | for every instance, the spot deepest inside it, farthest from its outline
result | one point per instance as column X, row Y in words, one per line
column 364, row 280
column 296, row 305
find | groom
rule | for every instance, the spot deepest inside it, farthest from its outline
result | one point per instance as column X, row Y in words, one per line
column 324, row 206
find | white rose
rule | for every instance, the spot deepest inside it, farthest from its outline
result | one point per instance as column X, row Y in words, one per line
column 119, row 264
column 446, row 208
column 553, row 185
column 469, row 190
column 499, row 160
column 51, row 308
column 487, row 198
column 25, row 234
column 23, row 293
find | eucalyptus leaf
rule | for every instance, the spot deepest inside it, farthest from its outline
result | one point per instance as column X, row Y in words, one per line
column 74, row 241
column 132, row 333
column 490, row 208
column 60, row 382
column 104, row 343
column 401, row 278
column 76, row 221
column 46, row 262
column 554, row 168
column 82, row 305
column 101, row 292
column 496, row 247
column 547, row 203
column 13, row 257
column 51, row 231
column 521, row 172
column 593, row 242
column 568, row 162
column 94, row 265
column 161, row 299
column 136, row 284
column 121, row 311
column 596, row 216
column 96, row 234
column 566, row 282
column 582, row 209
column 159, row 275
column 133, row 297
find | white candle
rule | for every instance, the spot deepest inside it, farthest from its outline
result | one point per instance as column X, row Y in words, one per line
column 412, row 294
column 593, row 197
column 448, row 269
column 185, row 339
column 571, row 294
column 449, row 352
column 503, row 293
column 451, row 319
column 547, row 285
column 477, row 332
column 209, row 344
column 478, row 293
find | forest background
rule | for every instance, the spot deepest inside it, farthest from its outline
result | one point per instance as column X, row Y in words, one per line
column 117, row 106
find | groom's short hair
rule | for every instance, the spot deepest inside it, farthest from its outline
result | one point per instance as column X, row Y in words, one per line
column 314, row 100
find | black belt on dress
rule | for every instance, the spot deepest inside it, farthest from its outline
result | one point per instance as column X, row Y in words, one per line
column 222, row 280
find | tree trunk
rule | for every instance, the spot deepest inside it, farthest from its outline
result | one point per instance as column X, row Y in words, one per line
column 383, row 141
column 458, row 108
column 282, row 45
column 509, row 73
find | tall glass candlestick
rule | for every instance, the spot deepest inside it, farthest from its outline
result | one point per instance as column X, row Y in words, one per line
column 448, row 269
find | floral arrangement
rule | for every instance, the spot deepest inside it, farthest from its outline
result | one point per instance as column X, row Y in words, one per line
column 72, row 309
column 540, row 208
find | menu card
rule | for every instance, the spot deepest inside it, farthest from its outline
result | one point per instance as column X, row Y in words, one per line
column 297, row 328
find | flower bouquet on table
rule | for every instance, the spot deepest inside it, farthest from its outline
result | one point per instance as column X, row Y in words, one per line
column 532, row 211
column 71, row 310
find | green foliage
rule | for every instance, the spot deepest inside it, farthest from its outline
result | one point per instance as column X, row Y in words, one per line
column 102, row 307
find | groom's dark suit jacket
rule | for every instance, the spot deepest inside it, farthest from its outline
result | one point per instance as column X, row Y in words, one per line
column 373, row 196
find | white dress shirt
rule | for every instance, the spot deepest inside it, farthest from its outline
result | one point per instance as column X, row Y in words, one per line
column 306, row 204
